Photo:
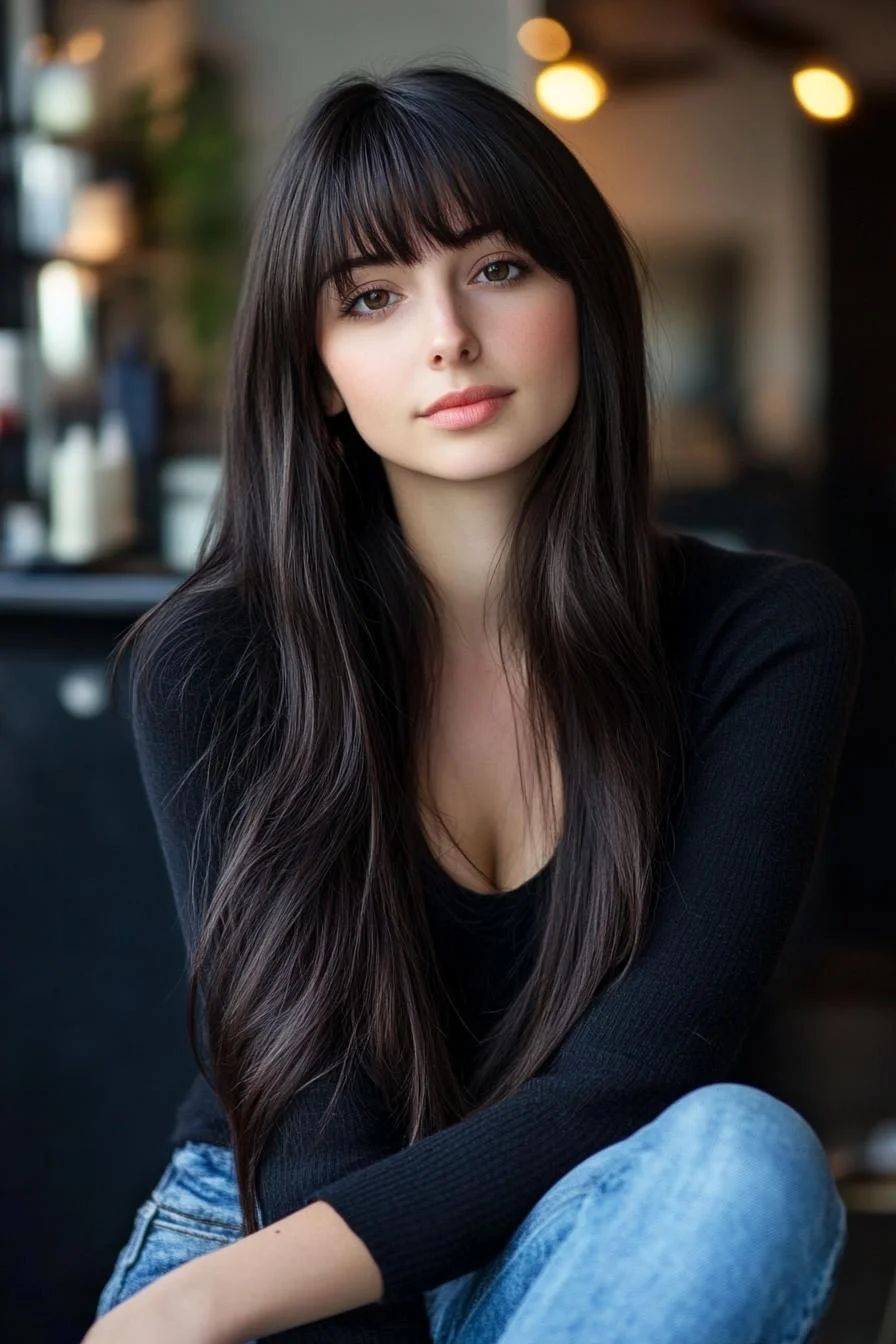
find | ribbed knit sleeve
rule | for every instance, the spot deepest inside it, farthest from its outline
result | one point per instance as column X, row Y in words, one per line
column 195, row 692
column 773, row 670
column 191, row 694
column 769, row 650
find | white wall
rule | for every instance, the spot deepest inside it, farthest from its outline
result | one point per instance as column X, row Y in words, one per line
column 289, row 49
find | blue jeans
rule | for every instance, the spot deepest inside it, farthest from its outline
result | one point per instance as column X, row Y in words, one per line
column 719, row 1220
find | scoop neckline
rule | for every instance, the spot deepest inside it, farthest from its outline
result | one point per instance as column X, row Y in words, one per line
column 493, row 897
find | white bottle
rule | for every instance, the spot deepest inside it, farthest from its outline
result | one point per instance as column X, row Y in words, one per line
column 74, row 518
column 115, row 484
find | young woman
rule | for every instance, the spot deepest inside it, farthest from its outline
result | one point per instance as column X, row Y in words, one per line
column 487, row 803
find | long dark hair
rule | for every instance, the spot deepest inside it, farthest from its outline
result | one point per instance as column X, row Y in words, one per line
column 312, row 947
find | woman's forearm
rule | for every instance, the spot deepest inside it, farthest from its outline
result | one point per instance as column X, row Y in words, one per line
column 305, row 1267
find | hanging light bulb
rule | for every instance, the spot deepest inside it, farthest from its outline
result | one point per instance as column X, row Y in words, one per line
column 544, row 39
column 571, row 90
column 823, row 93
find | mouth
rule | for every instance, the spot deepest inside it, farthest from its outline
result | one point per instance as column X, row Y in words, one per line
column 471, row 414
column 466, row 396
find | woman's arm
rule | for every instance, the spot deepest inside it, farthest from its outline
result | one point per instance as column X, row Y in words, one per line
column 171, row 724
column 304, row 1268
column 772, row 661
column 775, row 671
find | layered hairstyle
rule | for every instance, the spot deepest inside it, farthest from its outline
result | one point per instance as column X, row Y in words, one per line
column 312, row 949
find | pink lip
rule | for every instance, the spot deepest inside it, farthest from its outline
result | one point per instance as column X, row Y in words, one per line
column 466, row 396
column 465, row 417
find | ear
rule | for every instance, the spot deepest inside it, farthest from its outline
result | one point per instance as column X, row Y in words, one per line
column 329, row 393
column 333, row 403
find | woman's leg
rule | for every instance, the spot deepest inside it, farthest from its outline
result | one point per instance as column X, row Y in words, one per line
column 194, row 1209
column 718, row 1221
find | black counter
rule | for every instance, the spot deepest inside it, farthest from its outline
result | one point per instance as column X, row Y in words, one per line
column 96, row 1056
column 83, row 593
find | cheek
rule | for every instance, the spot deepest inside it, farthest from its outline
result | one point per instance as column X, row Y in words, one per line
column 366, row 378
column 549, row 345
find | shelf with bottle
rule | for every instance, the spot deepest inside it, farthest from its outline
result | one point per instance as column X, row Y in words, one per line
column 128, row 271
column 90, row 509
column 78, row 479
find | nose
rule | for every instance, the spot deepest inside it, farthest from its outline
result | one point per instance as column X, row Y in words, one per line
column 451, row 334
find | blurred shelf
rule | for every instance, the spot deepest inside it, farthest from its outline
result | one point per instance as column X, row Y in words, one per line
column 869, row 1194
column 135, row 584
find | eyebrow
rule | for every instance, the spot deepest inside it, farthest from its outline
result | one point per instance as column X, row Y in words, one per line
column 471, row 235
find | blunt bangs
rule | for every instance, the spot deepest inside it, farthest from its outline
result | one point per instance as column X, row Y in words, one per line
column 394, row 185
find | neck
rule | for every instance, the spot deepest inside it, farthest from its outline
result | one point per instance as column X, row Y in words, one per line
column 459, row 532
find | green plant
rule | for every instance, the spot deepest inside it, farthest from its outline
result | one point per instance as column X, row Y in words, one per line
column 188, row 156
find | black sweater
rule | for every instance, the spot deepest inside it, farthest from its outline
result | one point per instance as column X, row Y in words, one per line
column 767, row 648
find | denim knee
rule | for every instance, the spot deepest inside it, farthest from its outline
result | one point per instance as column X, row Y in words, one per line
column 762, row 1159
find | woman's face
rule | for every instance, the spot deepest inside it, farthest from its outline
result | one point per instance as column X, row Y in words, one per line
column 485, row 314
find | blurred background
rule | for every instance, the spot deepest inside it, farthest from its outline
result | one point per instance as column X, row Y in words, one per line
column 749, row 149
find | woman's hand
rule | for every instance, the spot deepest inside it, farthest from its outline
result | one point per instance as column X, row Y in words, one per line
column 176, row 1309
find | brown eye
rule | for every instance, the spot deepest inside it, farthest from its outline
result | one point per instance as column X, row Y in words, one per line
column 351, row 308
column 501, row 281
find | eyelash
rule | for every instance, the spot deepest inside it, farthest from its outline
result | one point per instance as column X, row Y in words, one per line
column 349, row 303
